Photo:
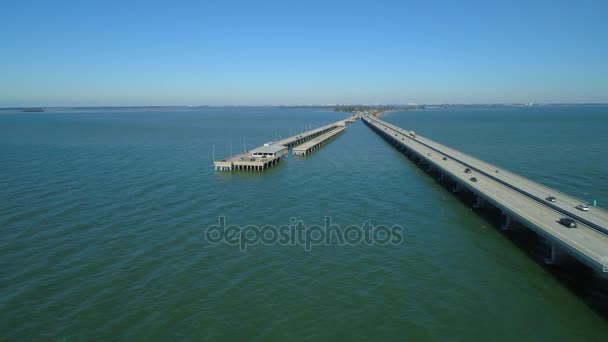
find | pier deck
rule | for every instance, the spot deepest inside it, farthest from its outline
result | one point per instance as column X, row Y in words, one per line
column 315, row 143
column 247, row 162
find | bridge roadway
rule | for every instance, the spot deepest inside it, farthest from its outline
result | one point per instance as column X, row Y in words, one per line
column 596, row 217
column 585, row 243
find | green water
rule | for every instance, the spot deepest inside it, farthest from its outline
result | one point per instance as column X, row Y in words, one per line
column 102, row 216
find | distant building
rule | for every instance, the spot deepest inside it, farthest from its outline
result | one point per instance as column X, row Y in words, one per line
column 269, row 151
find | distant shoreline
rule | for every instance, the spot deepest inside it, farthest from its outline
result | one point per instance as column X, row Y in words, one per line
column 394, row 110
column 396, row 107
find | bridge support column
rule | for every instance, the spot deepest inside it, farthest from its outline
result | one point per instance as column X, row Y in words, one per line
column 507, row 223
column 557, row 254
column 457, row 187
column 604, row 261
column 480, row 203
column 441, row 176
column 429, row 168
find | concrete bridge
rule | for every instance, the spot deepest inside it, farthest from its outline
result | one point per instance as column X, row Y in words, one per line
column 518, row 198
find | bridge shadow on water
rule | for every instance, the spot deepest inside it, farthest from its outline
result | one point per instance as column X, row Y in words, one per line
column 585, row 283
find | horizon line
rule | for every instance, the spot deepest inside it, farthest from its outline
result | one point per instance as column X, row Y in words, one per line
column 314, row 105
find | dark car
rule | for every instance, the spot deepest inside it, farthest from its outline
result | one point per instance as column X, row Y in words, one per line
column 551, row 199
column 467, row 170
column 444, row 158
column 473, row 179
column 568, row 222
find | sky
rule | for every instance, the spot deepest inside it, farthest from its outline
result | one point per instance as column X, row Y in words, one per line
column 124, row 53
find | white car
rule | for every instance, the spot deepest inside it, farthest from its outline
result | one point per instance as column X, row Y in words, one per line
column 582, row 207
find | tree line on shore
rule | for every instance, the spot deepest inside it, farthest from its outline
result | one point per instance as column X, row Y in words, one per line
column 351, row 109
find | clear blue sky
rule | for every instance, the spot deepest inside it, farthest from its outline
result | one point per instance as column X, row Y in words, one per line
column 56, row 53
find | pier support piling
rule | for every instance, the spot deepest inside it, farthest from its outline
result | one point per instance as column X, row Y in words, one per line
column 506, row 224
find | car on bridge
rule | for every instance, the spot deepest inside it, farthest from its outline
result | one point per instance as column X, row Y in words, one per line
column 551, row 199
column 473, row 179
column 582, row 207
column 467, row 170
column 568, row 222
